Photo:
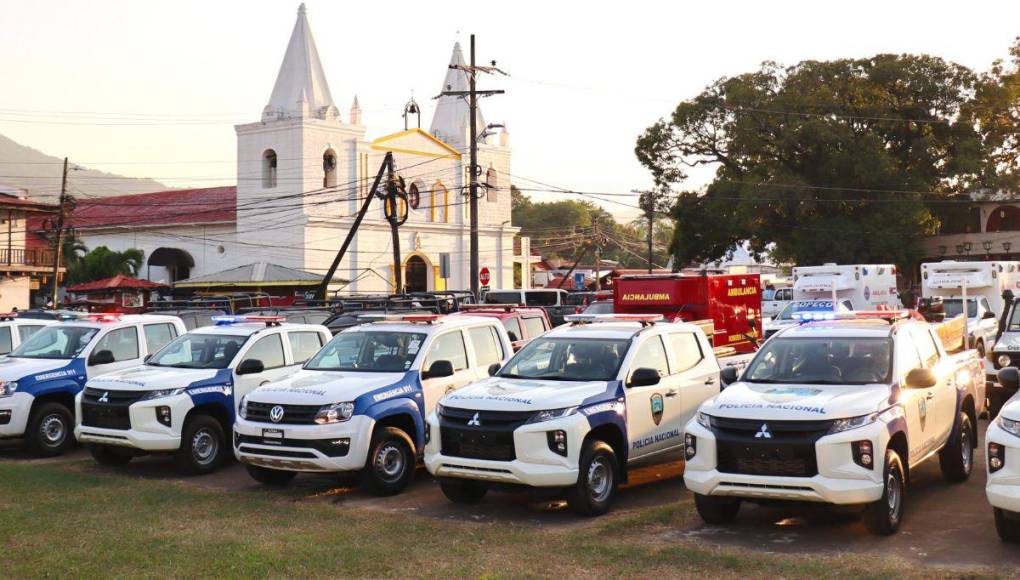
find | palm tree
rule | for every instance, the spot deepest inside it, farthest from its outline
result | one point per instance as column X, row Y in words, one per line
column 102, row 262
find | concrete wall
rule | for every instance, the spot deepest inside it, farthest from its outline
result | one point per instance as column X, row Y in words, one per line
column 14, row 293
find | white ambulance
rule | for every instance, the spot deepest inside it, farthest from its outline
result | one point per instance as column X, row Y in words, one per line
column 985, row 283
column 866, row 286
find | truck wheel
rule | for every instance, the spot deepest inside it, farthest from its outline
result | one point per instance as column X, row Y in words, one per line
column 1008, row 527
column 717, row 510
column 391, row 462
column 595, row 489
column 883, row 517
column 49, row 429
column 267, row 476
column 957, row 458
column 202, row 445
column 109, row 455
column 463, row 491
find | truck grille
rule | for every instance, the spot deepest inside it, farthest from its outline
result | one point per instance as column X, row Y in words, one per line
column 490, row 434
column 292, row 414
column 108, row 409
column 789, row 451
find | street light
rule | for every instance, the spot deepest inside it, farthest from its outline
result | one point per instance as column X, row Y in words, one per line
column 959, row 249
column 987, row 245
column 1006, row 246
column 967, row 246
column 942, row 250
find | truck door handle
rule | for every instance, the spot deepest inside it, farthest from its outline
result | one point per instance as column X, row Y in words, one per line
column 710, row 381
column 930, row 396
column 671, row 393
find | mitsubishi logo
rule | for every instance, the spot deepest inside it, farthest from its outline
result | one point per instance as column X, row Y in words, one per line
column 105, row 398
column 474, row 422
column 764, row 432
column 276, row 414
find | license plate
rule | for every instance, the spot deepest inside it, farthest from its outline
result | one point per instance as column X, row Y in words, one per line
column 272, row 435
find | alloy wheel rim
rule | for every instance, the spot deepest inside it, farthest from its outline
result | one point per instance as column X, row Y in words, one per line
column 600, row 479
column 389, row 462
column 893, row 495
column 53, row 429
column 204, row 446
column 967, row 453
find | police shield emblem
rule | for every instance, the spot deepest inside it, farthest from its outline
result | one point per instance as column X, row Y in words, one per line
column 657, row 407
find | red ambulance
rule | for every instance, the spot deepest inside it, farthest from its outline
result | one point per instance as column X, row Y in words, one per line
column 731, row 301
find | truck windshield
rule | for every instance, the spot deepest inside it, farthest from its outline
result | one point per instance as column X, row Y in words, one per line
column 56, row 342
column 199, row 351
column 373, row 352
column 567, row 359
column 822, row 361
column 954, row 307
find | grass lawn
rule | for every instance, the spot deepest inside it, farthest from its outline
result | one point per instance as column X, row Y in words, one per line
column 56, row 521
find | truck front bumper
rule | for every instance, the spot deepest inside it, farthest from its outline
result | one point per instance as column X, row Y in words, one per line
column 1003, row 487
column 839, row 480
column 311, row 448
column 146, row 432
column 14, row 412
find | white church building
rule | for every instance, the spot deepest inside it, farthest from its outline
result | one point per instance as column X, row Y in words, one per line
column 303, row 171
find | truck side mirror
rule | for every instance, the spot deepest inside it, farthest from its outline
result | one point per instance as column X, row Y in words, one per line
column 250, row 366
column 644, row 377
column 102, row 357
column 438, row 370
column 728, row 375
column 988, row 314
column 921, row 379
column 1009, row 378
column 494, row 368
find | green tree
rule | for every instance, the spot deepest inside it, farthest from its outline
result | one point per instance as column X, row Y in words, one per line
column 103, row 262
column 830, row 161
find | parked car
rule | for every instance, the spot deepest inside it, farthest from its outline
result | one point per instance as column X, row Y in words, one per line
column 599, row 307
column 15, row 329
column 294, row 315
column 522, row 323
column 359, row 404
column 192, row 317
column 774, row 300
column 40, row 379
column 181, row 401
column 837, row 412
column 553, row 300
column 574, row 409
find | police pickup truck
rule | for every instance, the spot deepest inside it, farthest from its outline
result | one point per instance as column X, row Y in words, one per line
column 41, row 377
column 573, row 409
column 360, row 403
column 182, row 399
column 837, row 412
column 1003, row 462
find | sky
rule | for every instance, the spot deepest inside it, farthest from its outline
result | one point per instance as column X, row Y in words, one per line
column 152, row 89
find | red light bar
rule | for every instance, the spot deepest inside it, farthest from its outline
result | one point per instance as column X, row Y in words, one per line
column 264, row 318
column 428, row 318
column 8, row 315
column 422, row 317
column 103, row 316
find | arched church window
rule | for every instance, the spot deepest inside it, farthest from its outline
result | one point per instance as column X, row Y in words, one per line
column 329, row 168
column 491, row 185
column 269, row 169
column 440, row 203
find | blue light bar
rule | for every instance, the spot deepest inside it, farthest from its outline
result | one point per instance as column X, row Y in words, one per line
column 227, row 320
column 809, row 316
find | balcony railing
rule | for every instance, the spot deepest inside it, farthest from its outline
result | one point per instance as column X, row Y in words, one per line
column 23, row 257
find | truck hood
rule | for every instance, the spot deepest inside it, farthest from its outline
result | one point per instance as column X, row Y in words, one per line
column 150, row 378
column 501, row 394
column 17, row 369
column 1011, row 410
column 1008, row 342
column 775, row 402
column 323, row 387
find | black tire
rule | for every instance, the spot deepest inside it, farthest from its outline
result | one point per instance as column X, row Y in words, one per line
column 391, row 462
column 956, row 460
column 597, row 476
column 884, row 516
column 717, row 510
column 203, row 445
column 266, row 476
column 980, row 347
column 463, row 491
column 109, row 455
column 1008, row 526
column 50, row 430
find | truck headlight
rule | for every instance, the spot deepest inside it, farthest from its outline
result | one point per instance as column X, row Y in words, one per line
column 7, row 388
column 704, row 420
column 840, row 425
column 242, row 407
column 163, row 393
column 334, row 413
column 1010, row 426
column 1004, row 360
column 552, row 414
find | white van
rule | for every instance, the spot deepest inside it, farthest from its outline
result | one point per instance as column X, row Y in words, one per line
column 866, row 286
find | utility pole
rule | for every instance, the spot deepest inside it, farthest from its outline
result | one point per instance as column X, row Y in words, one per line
column 598, row 253
column 472, row 95
column 647, row 203
column 60, row 233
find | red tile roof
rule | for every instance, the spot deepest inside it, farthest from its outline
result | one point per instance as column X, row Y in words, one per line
column 118, row 282
column 174, row 207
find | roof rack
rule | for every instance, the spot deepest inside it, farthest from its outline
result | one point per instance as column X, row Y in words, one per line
column 231, row 319
column 890, row 316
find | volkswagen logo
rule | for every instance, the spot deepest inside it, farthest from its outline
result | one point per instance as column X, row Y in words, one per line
column 276, row 414
column 764, row 432
column 474, row 422
column 105, row 398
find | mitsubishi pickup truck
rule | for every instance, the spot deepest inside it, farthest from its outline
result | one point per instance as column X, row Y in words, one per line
column 837, row 412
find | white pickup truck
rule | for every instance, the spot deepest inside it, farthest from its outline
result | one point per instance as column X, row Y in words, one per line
column 837, row 412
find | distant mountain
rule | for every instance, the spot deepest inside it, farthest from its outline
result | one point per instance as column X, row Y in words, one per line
column 22, row 167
